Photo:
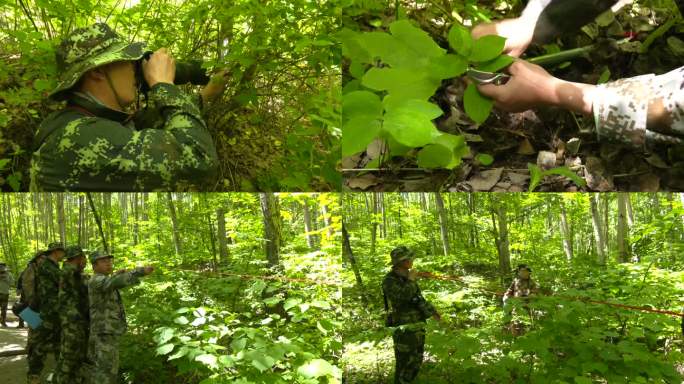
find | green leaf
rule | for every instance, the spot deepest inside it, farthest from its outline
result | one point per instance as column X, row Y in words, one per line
column 605, row 76
column 448, row 66
column 238, row 344
column 416, row 39
column 487, row 48
column 3, row 163
column 357, row 133
column 260, row 361
column 401, row 83
column 165, row 349
column 497, row 64
column 207, row 359
column 460, row 40
column 316, row 368
column 291, row 302
column 535, row 176
column 14, row 180
column 427, row 109
column 182, row 351
column 565, row 171
column 484, row 159
column 476, row 105
column 361, row 103
column 434, row 156
column 411, row 124
column 582, row 380
column 165, row 335
column 182, row 320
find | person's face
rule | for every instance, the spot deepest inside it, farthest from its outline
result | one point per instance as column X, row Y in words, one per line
column 524, row 274
column 122, row 74
column 81, row 262
column 104, row 266
column 58, row 254
column 406, row 264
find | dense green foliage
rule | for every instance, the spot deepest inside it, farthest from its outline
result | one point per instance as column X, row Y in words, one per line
column 567, row 340
column 280, row 111
column 204, row 316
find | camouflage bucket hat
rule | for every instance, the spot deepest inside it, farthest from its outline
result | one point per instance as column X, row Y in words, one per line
column 88, row 48
column 400, row 254
column 99, row 254
column 54, row 247
column 73, row 251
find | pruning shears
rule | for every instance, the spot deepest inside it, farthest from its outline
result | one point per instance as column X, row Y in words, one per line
column 484, row 77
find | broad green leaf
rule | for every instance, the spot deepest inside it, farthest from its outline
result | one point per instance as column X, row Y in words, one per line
column 416, row 39
column 450, row 141
column 182, row 320
column 390, row 50
column 291, row 302
column 316, row 368
column 165, row 335
column 426, row 108
column 476, row 105
column 497, row 64
column 484, row 159
column 448, row 66
column 357, row 69
column 567, row 172
column 411, row 126
column 361, row 103
column 357, row 133
column 182, row 351
column 260, row 361
column 165, row 349
column 207, row 359
column 435, row 156
column 402, row 84
column 460, row 39
column 238, row 344
column 487, row 48
column 352, row 46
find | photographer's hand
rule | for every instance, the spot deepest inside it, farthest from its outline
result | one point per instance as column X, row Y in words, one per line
column 160, row 68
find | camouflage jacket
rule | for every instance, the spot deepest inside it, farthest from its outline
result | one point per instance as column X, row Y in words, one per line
column 73, row 296
column 621, row 110
column 89, row 147
column 520, row 288
column 6, row 281
column 107, row 315
column 407, row 304
column 47, row 292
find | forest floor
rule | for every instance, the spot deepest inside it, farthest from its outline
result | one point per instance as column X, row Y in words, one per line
column 11, row 339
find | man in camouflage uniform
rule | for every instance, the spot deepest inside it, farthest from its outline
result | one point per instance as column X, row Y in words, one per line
column 74, row 318
column 46, row 337
column 92, row 144
column 107, row 316
column 645, row 112
column 408, row 308
column 6, row 281
column 521, row 287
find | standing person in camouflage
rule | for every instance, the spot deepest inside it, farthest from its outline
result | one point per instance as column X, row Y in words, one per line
column 74, row 318
column 46, row 337
column 93, row 144
column 521, row 287
column 407, row 308
column 107, row 316
column 644, row 112
column 6, row 281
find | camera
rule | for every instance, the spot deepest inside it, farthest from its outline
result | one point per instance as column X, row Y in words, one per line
column 187, row 72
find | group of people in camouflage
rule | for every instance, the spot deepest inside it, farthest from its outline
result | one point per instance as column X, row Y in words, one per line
column 82, row 317
column 407, row 311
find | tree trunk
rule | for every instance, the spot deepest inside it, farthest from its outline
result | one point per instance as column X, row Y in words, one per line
column 622, row 229
column 349, row 255
column 221, row 234
column 374, row 223
column 272, row 223
column 442, row 223
column 598, row 234
column 308, row 229
column 565, row 232
column 501, row 236
column 60, row 218
column 174, row 223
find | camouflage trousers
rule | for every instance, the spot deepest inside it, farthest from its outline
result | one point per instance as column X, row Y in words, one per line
column 72, row 354
column 41, row 342
column 4, row 298
column 103, row 356
column 408, row 353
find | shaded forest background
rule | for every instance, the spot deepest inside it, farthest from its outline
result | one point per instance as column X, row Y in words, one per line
column 613, row 247
column 278, row 116
column 244, row 288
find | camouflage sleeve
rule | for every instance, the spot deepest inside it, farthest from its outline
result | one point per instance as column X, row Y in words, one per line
column 398, row 294
column 426, row 307
column 174, row 153
column 509, row 292
column 554, row 18
column 118, row 281
column 48, row 292
column 621, row 110
column 68, row 298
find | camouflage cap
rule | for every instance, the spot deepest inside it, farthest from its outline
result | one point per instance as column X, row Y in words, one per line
column 400, row 254
column 88, row 48
column 523, row 266
column 55, row 246
column 99, row 254
column 73, row 251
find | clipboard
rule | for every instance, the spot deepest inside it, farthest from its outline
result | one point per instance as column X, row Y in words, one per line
column 31, row 317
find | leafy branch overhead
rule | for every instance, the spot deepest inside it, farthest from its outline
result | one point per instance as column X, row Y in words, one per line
column 393, row 77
